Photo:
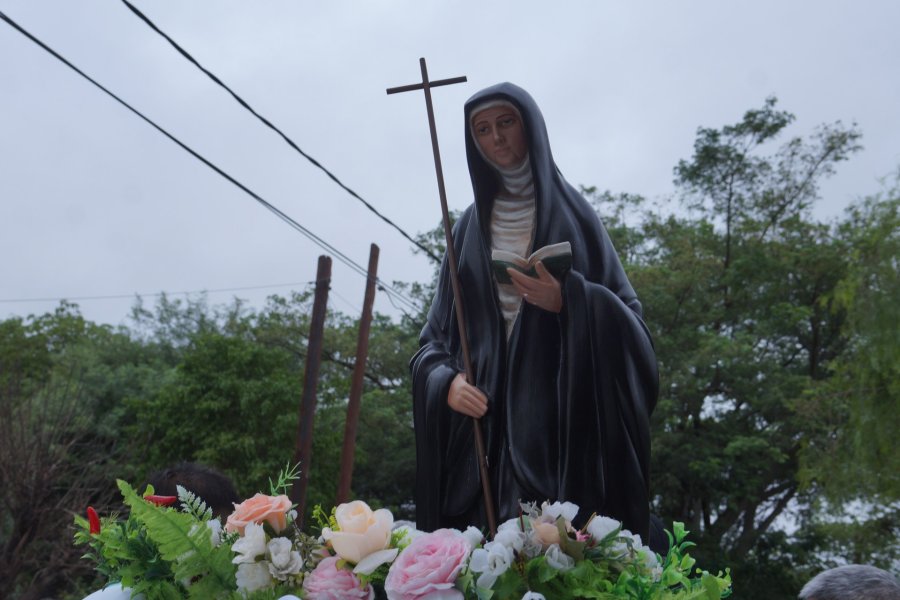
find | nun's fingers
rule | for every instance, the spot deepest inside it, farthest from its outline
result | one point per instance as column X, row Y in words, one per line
column 466, row 398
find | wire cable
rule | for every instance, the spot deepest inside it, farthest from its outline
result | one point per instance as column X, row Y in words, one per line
column 268, row 124
column 272, row 208
column 155, row 294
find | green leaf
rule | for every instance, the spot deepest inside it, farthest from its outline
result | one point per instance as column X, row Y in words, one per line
column 185, row 543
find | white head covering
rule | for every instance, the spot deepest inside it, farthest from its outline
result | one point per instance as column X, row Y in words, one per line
column 517, row 180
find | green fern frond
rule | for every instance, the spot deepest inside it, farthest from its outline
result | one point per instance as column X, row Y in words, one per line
column 186, row 544
column 157, row 589
column 193, row 504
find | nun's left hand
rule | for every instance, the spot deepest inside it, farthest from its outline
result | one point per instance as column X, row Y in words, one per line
column 543, row 291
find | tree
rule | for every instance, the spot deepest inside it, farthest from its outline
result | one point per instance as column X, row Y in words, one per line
column 55, row 457
column 861, row 456
column 855, row 467
column 737, row 293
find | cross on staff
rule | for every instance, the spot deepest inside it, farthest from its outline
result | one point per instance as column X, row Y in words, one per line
column 426, row 85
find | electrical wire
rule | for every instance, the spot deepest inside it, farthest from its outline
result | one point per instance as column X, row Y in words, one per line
column 268, row 124
column 156, row 294
column 390, row 291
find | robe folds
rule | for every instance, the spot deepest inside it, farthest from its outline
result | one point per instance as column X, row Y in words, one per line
column 569, row 394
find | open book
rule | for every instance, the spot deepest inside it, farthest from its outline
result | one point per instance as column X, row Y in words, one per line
column 557, row 258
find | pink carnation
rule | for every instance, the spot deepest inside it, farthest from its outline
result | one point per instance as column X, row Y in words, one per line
column 328, row 582
column 428, row 567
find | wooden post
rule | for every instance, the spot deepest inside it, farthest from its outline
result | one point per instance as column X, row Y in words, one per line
column 356, row 387
column 303, row 451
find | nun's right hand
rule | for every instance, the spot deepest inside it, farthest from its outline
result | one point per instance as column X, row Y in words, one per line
column 466, row 398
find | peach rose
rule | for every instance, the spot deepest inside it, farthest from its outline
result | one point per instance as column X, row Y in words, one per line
column 546, row 534
column 259, row 509
column 362, row 531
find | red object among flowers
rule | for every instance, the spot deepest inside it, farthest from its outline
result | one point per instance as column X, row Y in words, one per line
column 93, row 520
column 161, row 500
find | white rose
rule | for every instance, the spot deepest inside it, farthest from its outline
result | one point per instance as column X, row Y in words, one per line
column 362, row 531
column 566, row 510
column 532, row 548
column 621, row 546
column 250, row 546
column 253, row 576
column 511, row 524
column 649, row 556
column 492, row 561
column 533, row 596
column 284, row 561
column 511, row 538
column 600, row 527
column 473, row 536
column 558, row 559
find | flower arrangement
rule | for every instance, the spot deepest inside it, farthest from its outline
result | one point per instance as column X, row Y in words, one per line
column 360, row 553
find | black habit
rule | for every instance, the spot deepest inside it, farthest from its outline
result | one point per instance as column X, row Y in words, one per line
column 569, row 394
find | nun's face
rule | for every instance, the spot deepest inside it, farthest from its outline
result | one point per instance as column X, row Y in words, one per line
column 499, row 132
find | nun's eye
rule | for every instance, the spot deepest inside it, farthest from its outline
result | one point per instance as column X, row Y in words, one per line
column 507, row 121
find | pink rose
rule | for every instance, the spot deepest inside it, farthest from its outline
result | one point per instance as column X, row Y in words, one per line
column 428, row 567
column 259, row 509
column 328, row 582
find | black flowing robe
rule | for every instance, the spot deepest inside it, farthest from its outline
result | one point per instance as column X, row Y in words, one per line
column 569, row 395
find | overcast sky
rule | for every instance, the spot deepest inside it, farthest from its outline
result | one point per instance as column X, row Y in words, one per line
column 95, row 202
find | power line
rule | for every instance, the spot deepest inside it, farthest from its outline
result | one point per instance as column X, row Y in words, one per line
column 157, row 294
column 272, row 208
column 268, row 124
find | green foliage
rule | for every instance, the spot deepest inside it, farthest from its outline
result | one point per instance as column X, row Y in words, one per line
column 193, row 504
column 858, row 404
column 611, row 573
column 285, row 480
column 188, row 547
column 156, row 547
column 741, row 293
column 230, row 402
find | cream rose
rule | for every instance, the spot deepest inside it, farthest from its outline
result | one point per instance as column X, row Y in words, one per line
column 362, row 531
column 546, row 534
column 259, row 509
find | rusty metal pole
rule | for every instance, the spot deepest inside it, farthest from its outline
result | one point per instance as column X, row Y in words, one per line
column 356, row 386
column 303, row 451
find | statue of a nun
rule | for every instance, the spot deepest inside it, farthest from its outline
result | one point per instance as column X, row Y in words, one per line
column 565, row 372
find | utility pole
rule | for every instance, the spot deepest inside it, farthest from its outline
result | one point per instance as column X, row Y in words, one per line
column 303, row 450
column 356, row 386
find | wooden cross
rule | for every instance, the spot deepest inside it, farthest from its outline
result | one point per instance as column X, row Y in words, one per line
column 426, row 85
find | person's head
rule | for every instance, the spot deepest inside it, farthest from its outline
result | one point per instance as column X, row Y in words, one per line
column 211, row 486
column 852, row 582
column 507, row 146
column 500, row 134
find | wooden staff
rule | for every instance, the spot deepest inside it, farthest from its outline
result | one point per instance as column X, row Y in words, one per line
column 426, row 85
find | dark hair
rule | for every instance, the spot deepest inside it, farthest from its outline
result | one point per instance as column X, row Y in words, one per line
column 857, row 582
column 210, row 485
